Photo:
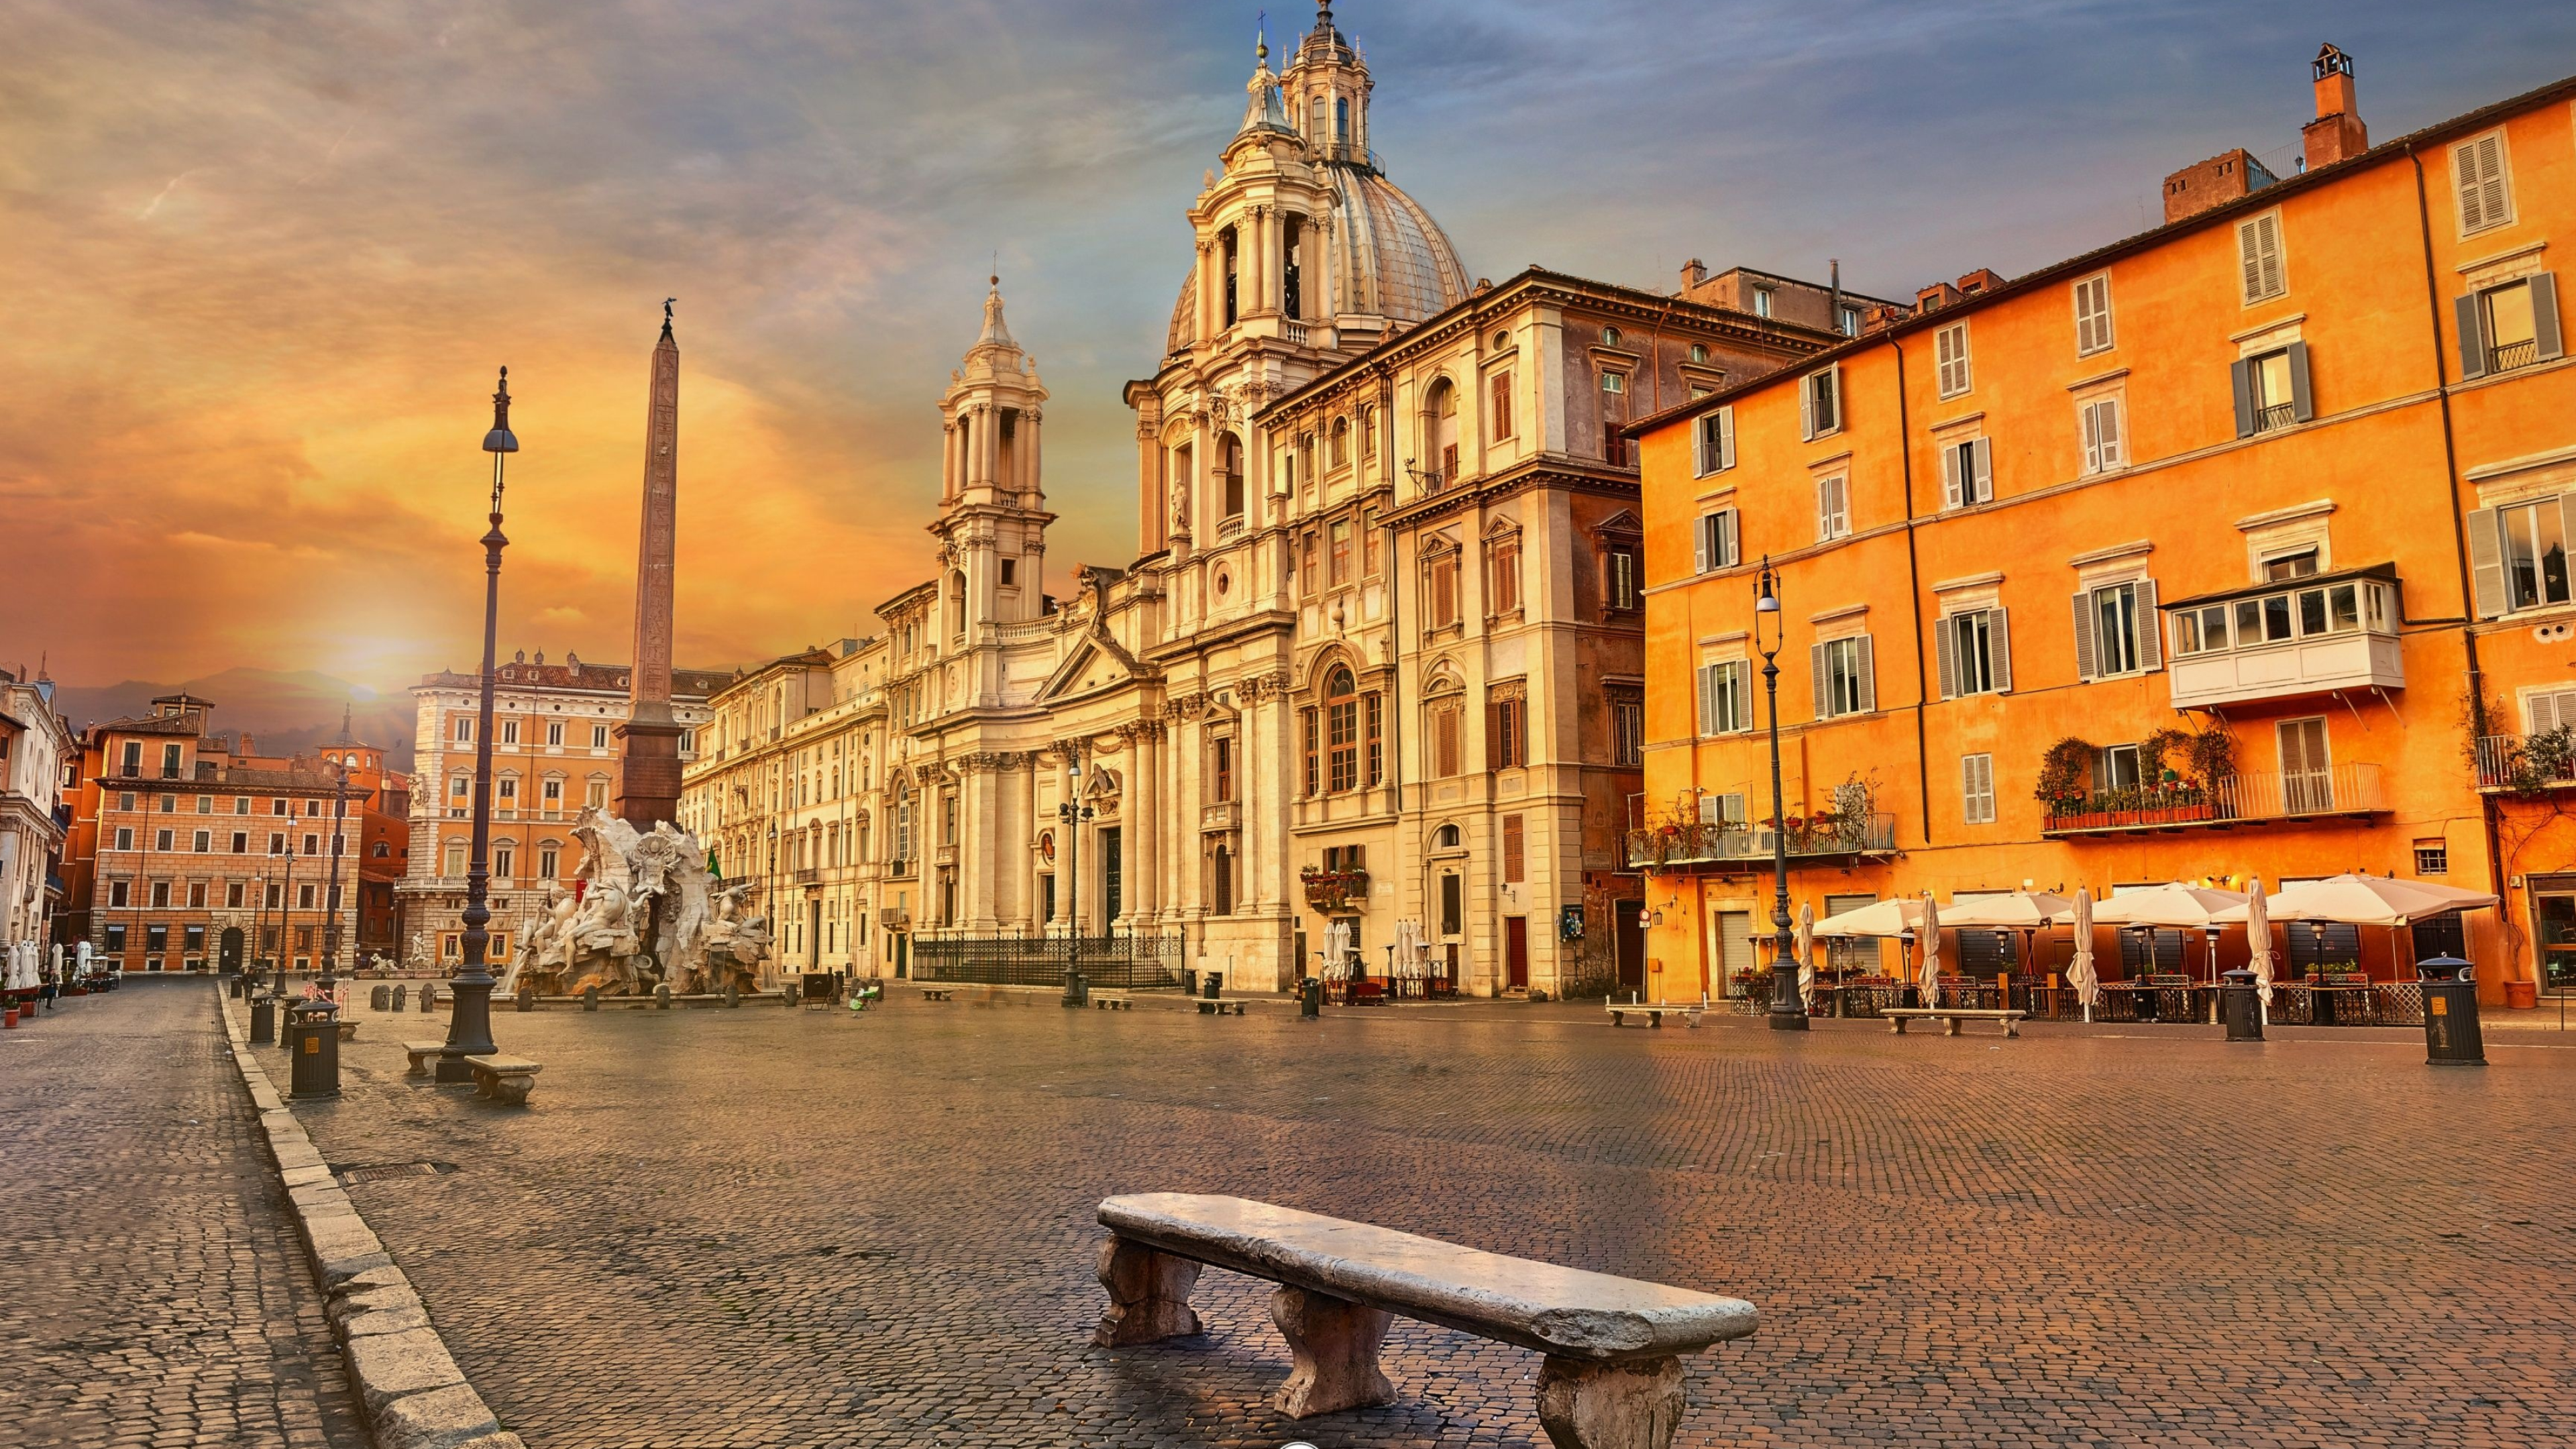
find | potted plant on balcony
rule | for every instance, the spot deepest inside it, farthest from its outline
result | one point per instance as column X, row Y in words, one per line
column 2065, row 773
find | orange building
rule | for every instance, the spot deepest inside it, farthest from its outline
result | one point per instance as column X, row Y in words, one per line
column 191, row 851
column 2235, row 548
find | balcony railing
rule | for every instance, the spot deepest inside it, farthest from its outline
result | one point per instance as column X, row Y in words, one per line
column 2279, row 415
column 1294, row 332
column 1658, row 844
column 2513, row 355
column 2527, row 764
column 1127, row 963
column 2247, row 799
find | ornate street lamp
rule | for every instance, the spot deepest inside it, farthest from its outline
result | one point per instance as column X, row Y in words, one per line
column 469, row 1022
column 331, row 893
column 1788, row 1013
column 285, row 914
column 1073, row 812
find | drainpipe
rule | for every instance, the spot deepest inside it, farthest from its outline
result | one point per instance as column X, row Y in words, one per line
column 2459, row 539
column 1914, row 578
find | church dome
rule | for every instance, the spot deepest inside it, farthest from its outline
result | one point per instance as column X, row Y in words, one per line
column 1389, row 258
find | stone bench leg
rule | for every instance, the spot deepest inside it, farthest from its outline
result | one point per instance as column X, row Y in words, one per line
column 1149, row 1295
column 1896, row 1024
column 1334, row 1343
column 1636, row 1404
column 509, row 1089
column 1954, row 1026
column 419, row 1063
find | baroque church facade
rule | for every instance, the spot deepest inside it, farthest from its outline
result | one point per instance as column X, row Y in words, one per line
column 1380, row 655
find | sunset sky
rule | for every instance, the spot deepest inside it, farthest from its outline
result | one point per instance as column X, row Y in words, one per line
column 261, row 260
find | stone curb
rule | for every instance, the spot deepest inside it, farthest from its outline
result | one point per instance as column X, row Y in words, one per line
column 416, row 1396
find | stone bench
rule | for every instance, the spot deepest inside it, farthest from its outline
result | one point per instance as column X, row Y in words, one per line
column 503, row 1079
column 1897, row 1016
column 420, row 1053
column 1612, row 1376
column 935, row 994
column 1112, row 1003
column 1219, row 1008
column 1655, row 1011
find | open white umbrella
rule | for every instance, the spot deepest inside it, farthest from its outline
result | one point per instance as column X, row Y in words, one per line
column 1931, row 980
column 2366, row 900
column 1806, row 953
column 2184, row 907
column 2258, row 936
column 2018, row 910
column 2079, row 971
column 1878, row 918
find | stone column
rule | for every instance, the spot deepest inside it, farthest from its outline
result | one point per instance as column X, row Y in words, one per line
column 1255, row 296
column 1149, row 498
column 1028, row 912
column 1211, row 297
column 1032, row 479
column 1149, row 821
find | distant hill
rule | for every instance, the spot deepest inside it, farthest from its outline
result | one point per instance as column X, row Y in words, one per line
column 283, row 712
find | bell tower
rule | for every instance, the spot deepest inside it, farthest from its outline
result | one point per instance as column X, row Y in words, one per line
column 992, row 518
column 1327, row 91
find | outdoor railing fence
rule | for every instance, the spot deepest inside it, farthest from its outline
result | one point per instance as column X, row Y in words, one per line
column 1126, row 963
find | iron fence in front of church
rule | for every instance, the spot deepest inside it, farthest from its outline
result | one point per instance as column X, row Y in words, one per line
column 1126, row 963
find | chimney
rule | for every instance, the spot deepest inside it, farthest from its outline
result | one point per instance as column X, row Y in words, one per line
column 1694, row 272
column 2337, row 133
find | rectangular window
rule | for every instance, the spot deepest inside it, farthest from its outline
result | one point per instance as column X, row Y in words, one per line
column 1833, row 508
column 233, row 896
column 463, row 729
column 1725, row 697
column 1950, row 358
column 2115, row 767
column 1507, row 742
column 161, row 893
column 554, row 731
column 118, row 894
column 1968, row 472
column 2535, row 553
column 2272, row 390
column 276, row 843
column 1627, row 731
column 595, row 794
column 2258, row 254
column 509, row 732
column 2093, row 315
column 1342, row 744
column 1973, row 653
column 1850, row 321
column 2478, row 178
column 1715, row 442
column 2515, row 325
column 1503, row 585
column 503, row 858
column 1624, row 585
column 2114, row 630
column 1370, row 551
column 161, row 840
column 1820, row 408
column 1339, row 531
column 1977, row 789
column 2432, row 857
column 133, row 759
column 1221, row 769
column 1501, row 392
column 1843, row 683
column 1762, row 301
column 2307, row 778
column 2101, row 423
column 1440, row 587
column 125, row 837
column 548, row 859
column 197, row 902
column 241, row 842
column 1716, row 544
column 599, row 737
column 1515, row 862
column 1373, row 731
column 203, row 842
column 1446, row 728
column 1314, row 753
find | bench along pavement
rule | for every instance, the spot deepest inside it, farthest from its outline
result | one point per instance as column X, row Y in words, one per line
column 1612, row 1378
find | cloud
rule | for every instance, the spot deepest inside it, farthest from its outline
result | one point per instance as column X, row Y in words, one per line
column 264, row 261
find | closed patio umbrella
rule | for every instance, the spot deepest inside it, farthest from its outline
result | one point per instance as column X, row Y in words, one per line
column 2258, row 937
column 1931, row 980
column 2079, row 972
column 1806, row 953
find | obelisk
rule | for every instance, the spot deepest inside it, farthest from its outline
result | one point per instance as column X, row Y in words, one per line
column 648, row 782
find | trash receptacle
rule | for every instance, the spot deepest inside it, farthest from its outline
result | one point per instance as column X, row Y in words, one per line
column 233, row 985
column 1310, row 998
column 1210, row 983
column 313, row 1047
column 2241, row 1005
column 2451, row 1037
column 1077, row 988
column 263, row 1020
column 1189, row 982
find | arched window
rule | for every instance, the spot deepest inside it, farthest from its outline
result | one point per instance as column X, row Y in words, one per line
column 1368, row 432
column 1229, row 455
column 1341, row 120
column 1341, row 730
column 1440, row 432
column 956, row 603
column 1447, row 839
column 902, row 819
column 1341, row 442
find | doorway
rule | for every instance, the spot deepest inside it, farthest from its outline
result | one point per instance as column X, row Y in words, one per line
column 814, row 933
column 1113, row 879
column 1628, row 943
column 902, row 955
column 1516, row 953
column 228, row 950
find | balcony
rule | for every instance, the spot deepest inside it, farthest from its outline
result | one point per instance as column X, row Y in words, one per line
column 2350, row 792
column 1734, row 846
column 2527, row 764
column 2278, row 641
column 2512, row 355
column 1223, row 815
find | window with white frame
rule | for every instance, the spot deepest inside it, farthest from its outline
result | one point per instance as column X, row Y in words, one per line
column 1950, row 359
column 1967, row 472
column 2115, row 630
column 1820, row 403
column 2550, row 709
column 1844, row 684
column 509, row 732
column 464, row 729
column 1714, row 442
column 1833, row 508
column 2100, row 420
column 599, row 737
column 2272, row 390
column 1725, row 697
column 1716, row 542
column 1723, row 808
column 1977, row 789
column 2093, row 315
column 2518, row 554
column 1974, row 650
column 2509, row 325
column 554, row 731
column 2258, row 255
column 2478, row 179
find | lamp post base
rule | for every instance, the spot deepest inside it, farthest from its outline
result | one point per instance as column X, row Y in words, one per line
column 1788, row 1020
column 469, row 1032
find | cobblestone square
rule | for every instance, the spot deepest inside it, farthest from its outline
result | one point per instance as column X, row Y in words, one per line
column 798, row 1228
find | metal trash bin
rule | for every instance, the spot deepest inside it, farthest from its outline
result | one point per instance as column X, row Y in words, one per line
column 1310, row 998
column 233, row 985
column 313, row 1048
column 263, row 1020
column 2451, row 1036
column 2241, row 1005
column 1210, row 983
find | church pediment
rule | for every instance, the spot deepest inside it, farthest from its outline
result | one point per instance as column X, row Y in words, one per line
column 1097, row 663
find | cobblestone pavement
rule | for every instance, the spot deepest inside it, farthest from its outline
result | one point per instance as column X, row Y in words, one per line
column 152, row 1289
column 796, row 1228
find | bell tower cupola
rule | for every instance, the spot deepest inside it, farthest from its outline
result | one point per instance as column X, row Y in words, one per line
column 1327, row 93
column 992, row 515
